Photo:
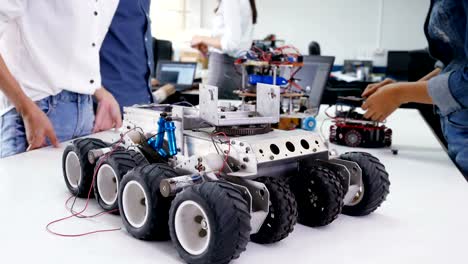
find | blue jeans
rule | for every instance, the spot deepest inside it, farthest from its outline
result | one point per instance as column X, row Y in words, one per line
column 71, row 115
column 455, row 128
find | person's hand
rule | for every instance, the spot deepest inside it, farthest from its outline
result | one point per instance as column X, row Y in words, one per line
column 37, row 126
column 383, row 102
column 154, row 82
column 108, row 112
column 199, row 43
column 372, row 88
column 196, row 41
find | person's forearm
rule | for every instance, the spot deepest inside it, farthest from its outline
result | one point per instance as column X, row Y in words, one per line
column 415, row 92
column 430, row 75
column 212, row 42
column 10, row 87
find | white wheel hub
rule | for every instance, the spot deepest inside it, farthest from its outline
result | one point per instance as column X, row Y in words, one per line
column 108, row 184
column 73, row 169
column 134, row 202
column 192, row 227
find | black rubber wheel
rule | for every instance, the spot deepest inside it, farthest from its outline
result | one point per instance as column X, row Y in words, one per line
column 319, row 195
column 353, row 138
column 79, row 173
column 388, row 138
column 109, row 174
column 375, row 180
column 144, row 211
column 282, row 215
column 210, row 223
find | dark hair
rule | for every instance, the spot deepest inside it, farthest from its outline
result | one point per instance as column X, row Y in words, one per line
column 314, row 48
column 253, row 6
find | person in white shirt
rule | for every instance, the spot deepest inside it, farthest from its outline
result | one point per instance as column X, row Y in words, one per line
column 49, row 70
column 232, row 34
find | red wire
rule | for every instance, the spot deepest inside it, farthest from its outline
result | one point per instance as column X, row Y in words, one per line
column 296, row 85
column 77, row 214
column 70, row 209
column 229, row 149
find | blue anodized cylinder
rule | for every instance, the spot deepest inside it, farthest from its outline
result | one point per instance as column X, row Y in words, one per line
column 170, row 129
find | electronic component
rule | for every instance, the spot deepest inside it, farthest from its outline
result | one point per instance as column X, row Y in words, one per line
column 350, row 128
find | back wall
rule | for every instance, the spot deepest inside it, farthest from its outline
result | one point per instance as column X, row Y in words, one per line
column 363, row 29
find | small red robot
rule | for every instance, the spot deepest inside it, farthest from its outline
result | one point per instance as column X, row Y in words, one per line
column 353, row 130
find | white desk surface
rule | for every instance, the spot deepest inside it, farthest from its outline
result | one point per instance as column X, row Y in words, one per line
column 424, row 220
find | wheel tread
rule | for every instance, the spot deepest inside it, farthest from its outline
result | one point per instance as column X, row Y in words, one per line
column 285, row 212
column 232, row 220
column 328, row 183
column 375, row 177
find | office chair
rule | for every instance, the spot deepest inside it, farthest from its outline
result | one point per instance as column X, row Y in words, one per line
column 314, row 48
column 162, row 50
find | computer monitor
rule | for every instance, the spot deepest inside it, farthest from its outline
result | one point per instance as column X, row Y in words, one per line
column 313, row 77
column 180, row 74
column 398, row 64
column 351, row 66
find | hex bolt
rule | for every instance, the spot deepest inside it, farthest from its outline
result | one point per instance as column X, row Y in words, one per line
column 243, row 166
column 202, row 233
column 241, row 144
column 247, row 149
column 272, row 157
column 246, row 159
column 198, row 219
column 200, row 159
column 233, row 142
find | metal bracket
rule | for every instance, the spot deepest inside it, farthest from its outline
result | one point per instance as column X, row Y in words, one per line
column 355, row 179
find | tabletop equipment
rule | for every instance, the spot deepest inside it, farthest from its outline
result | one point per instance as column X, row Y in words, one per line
column 221, row 176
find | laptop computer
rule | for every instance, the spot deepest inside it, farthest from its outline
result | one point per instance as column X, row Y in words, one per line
column 313, row 77
column 180, row 74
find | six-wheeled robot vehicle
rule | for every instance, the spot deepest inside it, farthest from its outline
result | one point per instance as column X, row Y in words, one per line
column 215, row 177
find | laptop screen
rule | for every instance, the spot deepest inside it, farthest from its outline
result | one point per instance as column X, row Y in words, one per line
column 313, row 77
column 178, row 73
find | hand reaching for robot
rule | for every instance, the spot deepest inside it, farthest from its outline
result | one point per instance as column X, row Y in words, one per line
column 372, row 88
column 382, row 102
